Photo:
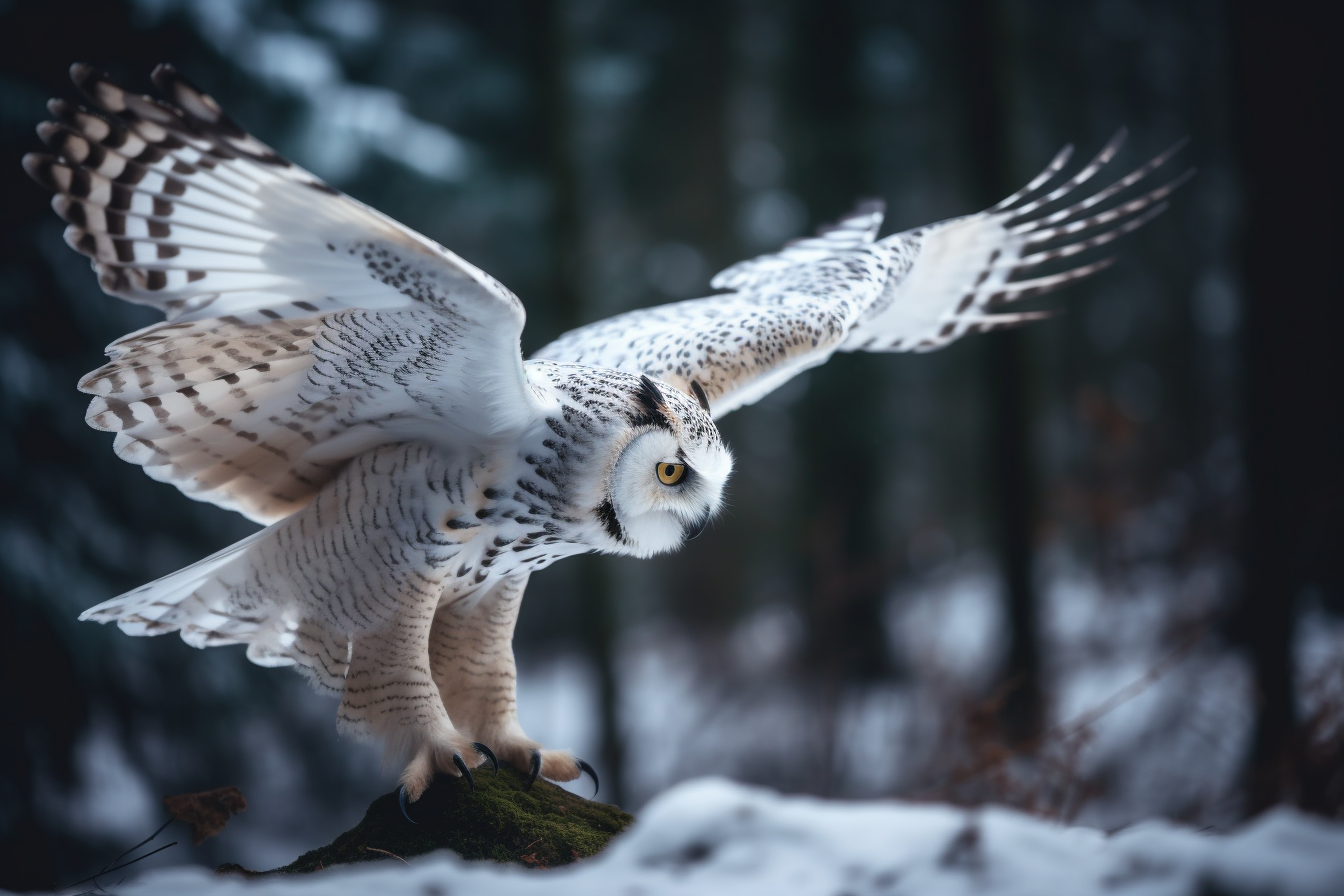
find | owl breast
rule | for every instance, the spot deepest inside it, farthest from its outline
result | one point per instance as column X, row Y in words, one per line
column 495, row 519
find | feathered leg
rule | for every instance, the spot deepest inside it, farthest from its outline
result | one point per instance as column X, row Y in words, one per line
column 390, row 693
column 471, row 655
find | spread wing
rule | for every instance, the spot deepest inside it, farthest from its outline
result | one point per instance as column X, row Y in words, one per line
column 789, row 312
column 846, row 290
column 303, row 327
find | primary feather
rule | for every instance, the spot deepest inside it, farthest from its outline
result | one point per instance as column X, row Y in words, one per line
column 846, row 290
column 304, row 327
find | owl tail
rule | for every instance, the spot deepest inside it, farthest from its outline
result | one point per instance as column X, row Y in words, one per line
column 199, row 602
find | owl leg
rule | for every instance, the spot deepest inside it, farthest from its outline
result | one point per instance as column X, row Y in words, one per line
column 390, row 694
column 471, row 655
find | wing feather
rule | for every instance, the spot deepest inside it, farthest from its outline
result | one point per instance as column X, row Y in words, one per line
column 964, row 268
column 790, row 311
column 302, row 325
column 846, row 290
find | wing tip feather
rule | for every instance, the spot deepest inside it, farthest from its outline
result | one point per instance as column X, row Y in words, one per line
column 37, row 165
column 81, row 73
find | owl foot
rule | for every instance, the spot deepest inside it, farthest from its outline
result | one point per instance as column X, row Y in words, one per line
column 588, row 770
column 462, row 765
column 530, row 758
column 401, row 801
column 487, row 753
column 583, row 768
column 419, row 772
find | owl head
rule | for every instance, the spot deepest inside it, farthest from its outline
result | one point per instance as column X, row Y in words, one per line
column 669, row 469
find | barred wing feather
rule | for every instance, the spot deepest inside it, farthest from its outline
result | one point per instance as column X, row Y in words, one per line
column 966, row 269
column 847, row 290
column 790, row 311
column 303, row 326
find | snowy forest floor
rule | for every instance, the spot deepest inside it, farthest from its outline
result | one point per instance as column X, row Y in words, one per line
column 714, row 836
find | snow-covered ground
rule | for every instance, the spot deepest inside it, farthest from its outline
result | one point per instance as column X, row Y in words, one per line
column 713, row 836
column 1172, row 750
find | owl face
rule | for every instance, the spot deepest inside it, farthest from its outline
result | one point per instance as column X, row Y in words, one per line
column 668, row 476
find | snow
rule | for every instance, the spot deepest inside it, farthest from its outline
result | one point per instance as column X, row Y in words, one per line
column 713, row 836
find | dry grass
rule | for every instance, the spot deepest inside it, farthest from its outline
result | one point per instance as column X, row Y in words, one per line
column 1320, row 778
column 976, row 763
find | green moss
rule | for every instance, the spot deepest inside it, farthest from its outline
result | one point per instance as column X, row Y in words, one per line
column 501, row 820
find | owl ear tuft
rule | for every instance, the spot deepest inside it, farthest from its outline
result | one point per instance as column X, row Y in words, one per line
column 698, row 391
column 652, row 401
column 651, row 396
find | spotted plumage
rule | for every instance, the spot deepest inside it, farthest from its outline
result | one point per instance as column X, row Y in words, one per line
column 360, row 389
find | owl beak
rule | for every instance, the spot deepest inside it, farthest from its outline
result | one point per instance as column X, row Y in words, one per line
column 693, row 529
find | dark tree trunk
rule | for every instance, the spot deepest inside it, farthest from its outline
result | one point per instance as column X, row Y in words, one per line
column 566, row 247
column 1287, row 87
column 839, row 435
column 985, row 71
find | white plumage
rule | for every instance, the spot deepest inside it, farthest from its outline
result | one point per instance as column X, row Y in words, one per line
column 360, row 389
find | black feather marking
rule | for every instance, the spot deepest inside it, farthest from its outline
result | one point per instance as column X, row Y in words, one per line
column 606, row 512
column 698, row 391
column 650, row 394
column 653, row 403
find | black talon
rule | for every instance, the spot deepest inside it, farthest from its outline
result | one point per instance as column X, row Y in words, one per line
column 401, row 801
column 462, row 767
column 488, row 754
column 587, row 769
column 536, row 769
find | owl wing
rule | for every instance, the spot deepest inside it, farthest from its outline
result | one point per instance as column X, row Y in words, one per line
column 789, row 311
column 303, row 326
column 846, row 290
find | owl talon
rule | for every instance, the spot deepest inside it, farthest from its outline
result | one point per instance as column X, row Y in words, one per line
column 488, row 754
column 536, row 769
column 462, row 767
column 401, row 801
column 585, row 768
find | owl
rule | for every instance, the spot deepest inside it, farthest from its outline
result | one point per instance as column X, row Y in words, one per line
column 360, row 390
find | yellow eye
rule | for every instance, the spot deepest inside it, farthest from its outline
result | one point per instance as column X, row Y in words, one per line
column 670, row 474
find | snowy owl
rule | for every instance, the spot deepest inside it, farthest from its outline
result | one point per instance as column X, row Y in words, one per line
column 360, row 389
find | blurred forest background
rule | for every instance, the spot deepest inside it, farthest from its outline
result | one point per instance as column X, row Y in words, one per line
column 1090, row 568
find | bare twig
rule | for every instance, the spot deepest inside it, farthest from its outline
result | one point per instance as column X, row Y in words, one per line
column 1086, row 719
column 993, row 761
column 106, row 869
column 136, row 846
column 122, row 865
column 386, row 853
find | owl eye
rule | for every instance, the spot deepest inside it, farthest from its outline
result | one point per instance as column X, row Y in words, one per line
column 670, row 474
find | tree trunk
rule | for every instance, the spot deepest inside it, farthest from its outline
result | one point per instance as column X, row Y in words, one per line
column 986, row 74
column 1286, row 82
column 566, row 248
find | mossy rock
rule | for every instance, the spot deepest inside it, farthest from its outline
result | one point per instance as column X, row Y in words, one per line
column 500, row 820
